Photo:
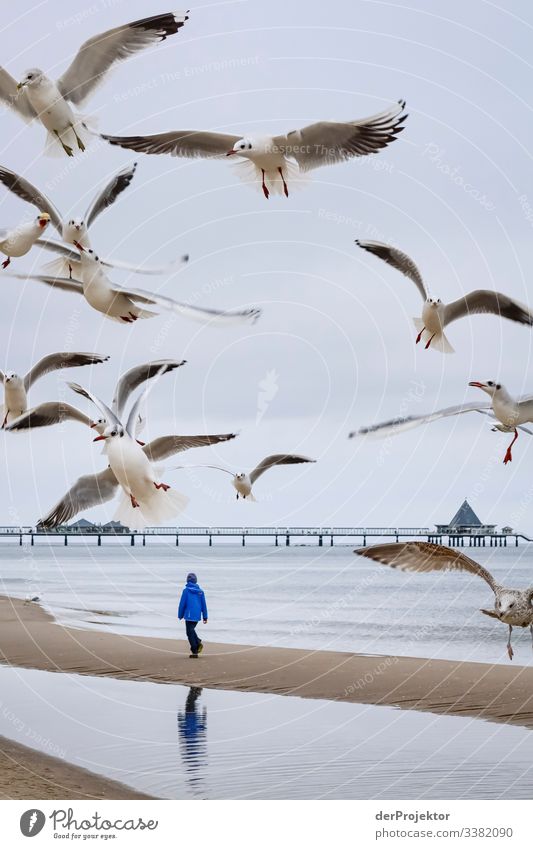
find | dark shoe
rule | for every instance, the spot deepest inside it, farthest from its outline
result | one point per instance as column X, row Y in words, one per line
column 192, row 655
column 200, row 648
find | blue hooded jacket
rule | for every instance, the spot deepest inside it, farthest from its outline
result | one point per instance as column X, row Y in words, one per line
column 192, row 603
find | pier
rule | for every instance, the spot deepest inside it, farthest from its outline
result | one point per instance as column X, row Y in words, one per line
column 319, row 536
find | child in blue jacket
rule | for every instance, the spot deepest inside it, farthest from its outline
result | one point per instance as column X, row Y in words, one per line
column 193, row 608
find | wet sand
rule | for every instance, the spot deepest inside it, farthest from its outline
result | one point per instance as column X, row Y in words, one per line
column 29, row 637
column 27, row 774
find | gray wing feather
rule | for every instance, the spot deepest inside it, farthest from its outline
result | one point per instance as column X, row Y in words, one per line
column 118, row 183
column 425, row 557
column 329, row 142
column 11, row 96
column 28, row 192
column 398, row 259
column 108, row 414
column 399, row 425
column 58, row 248
column 96, row 56
column 190, row 144
column 49, row 413
column 485, row 301
column 277, row 460
column 65, row 359
column 88, row 491
column 166, row 446
column 63, row 283
column 133, row 378
column 203, row 315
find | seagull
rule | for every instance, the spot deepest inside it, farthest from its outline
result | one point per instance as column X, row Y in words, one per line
column 513, row 607
column 145, row 499
column 56, row 412
column 19, row 240
column 435, row 314
column 119, row 303
column 274, row 160
column 510, row 412
column 76, row 229
column 243, row 481
column 52, row 102
column 16, row 388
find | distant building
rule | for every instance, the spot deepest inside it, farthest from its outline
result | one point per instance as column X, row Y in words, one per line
column 115, row 528
column 465, row 521
column 507, row 529
column 82, row 526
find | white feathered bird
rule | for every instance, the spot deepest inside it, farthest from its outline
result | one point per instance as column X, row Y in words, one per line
column 244, row 481
column 52, row 102
column 18, row 241
column 436, row 315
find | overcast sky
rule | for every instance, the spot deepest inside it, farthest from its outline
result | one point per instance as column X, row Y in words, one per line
column 334, row 349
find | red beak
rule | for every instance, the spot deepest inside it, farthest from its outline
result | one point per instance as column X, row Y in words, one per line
column 99, row 438
column 78, row 246
column 231, row 152
column 477, row 384
column 93, row 424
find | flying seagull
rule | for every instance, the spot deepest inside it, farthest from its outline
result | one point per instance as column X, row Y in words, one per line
column 120, row 303
column 243, row 482
column 511, row 414
column 16, row 388
column 75, row 229
column 53, row 102
column 145, row 499
column 435, row 314
column 272, row 161
column 56, row 412
column 19, row 240
column 513, row 607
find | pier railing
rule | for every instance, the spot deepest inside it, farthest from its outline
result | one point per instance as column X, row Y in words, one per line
column 278, row 535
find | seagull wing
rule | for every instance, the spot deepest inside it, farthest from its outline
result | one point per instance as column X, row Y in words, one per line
column 2, row 376
column 49, row 413
column 277, row 460
column 328, row 142
column 97, row 55
column 425, row 557
column 54, row 362
column 166, row 446
column 394, row 426
column 18, row 100
column 110, row 193
column 88, row 491
column 133, row 378
column 59, row 248
column 108, row 414
column 26, row 191
column 485, row 301
column 63, row 283
column 398, row 260
column 191, row 144
column 200, row 314
column 149, row 269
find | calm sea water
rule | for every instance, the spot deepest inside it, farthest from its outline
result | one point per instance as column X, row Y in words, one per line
column 180, row 743
column 305, row 596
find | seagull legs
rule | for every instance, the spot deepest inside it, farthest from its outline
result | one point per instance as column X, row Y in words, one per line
column 419, row 337
column 508, row 455
column 134, row 502
column 6, row 262
column 263, row 184
column 285, row 189
column 430, row 340
column 163, row 486
column 80, row 143
column 68, row 150
column 5, row 419
column 510, row 651
column 130, row 318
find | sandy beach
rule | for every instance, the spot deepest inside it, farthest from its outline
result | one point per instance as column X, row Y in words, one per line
column 29, row 637
column 27, row 774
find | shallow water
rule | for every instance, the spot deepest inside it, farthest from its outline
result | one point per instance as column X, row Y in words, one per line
column 303, row 596
column 175, row 742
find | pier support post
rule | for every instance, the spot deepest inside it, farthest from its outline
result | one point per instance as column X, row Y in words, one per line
column 331, row 542
column 516, row 540
column 276, row 543
column 177, row 539
column 210, row 540
column 31, row 540
column 132, row 541
column 99, row 540
column 20, row 539
column 320, row 541
column 243, row 541
column 66, row 539
column 144, row 539
column 287, row 540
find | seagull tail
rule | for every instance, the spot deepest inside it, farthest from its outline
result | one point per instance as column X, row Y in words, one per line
column 439, row 341
column 159, row 507
column 60, row 267
column 248, row 172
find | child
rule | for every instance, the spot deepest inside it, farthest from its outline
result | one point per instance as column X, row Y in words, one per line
column 193, row 608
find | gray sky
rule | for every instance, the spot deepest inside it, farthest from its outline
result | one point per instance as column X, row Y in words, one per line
column 335, row 347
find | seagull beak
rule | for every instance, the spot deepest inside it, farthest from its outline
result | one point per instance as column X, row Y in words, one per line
column 20, row 85
column 93, row 424
column 231, row 152
column 78, row 246
column 99, row 438
column 477, row 384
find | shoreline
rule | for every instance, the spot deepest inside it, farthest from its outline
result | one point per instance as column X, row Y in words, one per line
column 31, row 638
column 27, row 773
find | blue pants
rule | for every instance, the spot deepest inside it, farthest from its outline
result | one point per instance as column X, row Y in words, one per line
column 192, row 636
